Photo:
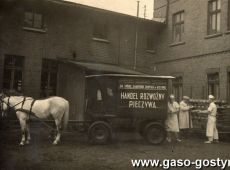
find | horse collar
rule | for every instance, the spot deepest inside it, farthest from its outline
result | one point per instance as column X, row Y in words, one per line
column 31, row 106
column 23, row 101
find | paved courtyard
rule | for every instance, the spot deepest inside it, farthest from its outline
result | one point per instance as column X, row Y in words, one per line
column 75, row 153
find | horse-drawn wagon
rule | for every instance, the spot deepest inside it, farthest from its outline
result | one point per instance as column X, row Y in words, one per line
column 102, row 102
column 99, row 99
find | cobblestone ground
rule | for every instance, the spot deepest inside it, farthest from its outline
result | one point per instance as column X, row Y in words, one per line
column 75, row 153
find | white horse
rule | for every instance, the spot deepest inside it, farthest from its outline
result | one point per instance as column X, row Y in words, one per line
column 24, row 106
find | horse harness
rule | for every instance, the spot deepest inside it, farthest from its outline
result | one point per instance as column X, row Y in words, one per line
column 29, row 112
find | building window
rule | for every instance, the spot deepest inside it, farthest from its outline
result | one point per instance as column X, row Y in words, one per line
column 213, row 84
column 177, row 89
column 13, row 73
column 214, row 7
column 33, row 20
column 100, row 30
column 150, row 43
column 48, row 77
column 178, row 27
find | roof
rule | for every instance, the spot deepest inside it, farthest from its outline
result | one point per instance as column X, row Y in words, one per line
column 99, row 67
column 125, row 75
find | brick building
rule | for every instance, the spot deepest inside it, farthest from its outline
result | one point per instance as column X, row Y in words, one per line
column 195, row 46
column 33, row 34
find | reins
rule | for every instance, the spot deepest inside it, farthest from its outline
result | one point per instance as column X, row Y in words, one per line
column 29, row 112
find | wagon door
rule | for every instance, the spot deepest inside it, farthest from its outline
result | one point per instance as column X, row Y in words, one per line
column 101, row 96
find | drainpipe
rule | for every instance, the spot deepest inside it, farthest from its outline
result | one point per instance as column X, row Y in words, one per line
column 167, row 12
column 136, row 38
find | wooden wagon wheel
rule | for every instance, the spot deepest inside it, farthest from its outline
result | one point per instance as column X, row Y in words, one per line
column 99, row 132
column 155, row 133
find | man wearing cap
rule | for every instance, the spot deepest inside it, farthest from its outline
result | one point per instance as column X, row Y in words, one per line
column 184, row 120
column 211, row 130
column 171, row 122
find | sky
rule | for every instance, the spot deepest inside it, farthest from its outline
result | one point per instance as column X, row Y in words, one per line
column 122, row 6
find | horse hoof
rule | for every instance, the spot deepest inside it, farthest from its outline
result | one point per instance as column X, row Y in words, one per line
column 22, row 144
column 55, row 143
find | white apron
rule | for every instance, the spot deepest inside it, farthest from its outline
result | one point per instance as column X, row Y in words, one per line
column 211, row 130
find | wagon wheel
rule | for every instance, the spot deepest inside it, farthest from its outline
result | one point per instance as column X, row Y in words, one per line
column 99, row 132
column 154, row 133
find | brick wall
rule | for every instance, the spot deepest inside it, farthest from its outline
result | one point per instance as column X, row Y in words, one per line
column 69, row 28
column 199, row 51
column 194, row 72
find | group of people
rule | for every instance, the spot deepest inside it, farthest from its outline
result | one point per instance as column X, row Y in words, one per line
column 178, row 119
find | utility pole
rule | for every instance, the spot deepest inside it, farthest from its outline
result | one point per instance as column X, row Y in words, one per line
column 153, row 9
column 136, row 38
column 144, row 11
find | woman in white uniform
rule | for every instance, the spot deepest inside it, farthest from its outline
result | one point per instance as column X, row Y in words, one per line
column 184, row 120
column 171, row 122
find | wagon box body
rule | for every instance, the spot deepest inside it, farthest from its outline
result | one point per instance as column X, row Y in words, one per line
column 106, row 97
column 131, row 96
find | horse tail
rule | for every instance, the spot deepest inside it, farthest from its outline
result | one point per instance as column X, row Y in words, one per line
column 66, row 116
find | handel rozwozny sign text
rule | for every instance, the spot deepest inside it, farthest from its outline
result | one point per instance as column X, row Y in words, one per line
column 142, row 94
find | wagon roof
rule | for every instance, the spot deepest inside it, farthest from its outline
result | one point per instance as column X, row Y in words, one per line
column 127, row 75
column 100, row 67
column 105, row 70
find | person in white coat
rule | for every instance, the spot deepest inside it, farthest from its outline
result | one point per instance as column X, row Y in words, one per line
column 211, row 130
column 184, row 119
column 171, row 123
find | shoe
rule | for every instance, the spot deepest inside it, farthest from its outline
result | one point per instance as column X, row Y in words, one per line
column 216, row 141
column 178, row 140
column 208, row 142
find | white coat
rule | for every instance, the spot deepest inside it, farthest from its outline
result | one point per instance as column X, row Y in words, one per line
column 211, row 130
column 172, row 119
column 184, row 115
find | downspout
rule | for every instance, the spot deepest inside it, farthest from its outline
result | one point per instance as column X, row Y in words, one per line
column 167, row 12
column 136, row 38
column 119, row 46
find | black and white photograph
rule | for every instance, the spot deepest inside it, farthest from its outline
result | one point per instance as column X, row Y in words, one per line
column 114, row 84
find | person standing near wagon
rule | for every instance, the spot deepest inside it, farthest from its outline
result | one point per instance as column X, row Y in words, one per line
column 171, row 122
column 184, row 120
column 211, row 130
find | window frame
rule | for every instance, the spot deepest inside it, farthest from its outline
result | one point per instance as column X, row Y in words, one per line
column 180, row 23
column 210, row 15
column 100, row 35
column 32, row 26
column 177, row 83
column 45, row 92
column 214, row 82
column 151, row 47
column 13, row 68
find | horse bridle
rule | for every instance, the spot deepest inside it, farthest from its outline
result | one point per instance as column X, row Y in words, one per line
column 2, row 102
